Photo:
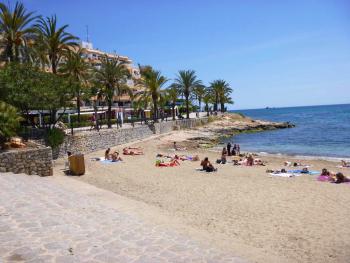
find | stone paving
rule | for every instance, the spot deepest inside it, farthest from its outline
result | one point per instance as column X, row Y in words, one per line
column 41, row 221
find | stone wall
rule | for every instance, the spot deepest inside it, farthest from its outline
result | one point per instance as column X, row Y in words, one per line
column 30, row 161
column 93, row 141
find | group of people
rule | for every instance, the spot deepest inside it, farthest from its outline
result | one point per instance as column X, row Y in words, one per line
column 336, row 178
column 112, row 156
column 115, row 156
column 236, row 149
column 174, row 160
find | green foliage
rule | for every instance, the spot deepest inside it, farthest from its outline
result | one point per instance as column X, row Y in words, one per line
column 153, row 81
column 54, row 41
column 9, row 121
column 55, row 137
column 187, row 81
column 221, row 91
column 28, row 88
column 16, row 30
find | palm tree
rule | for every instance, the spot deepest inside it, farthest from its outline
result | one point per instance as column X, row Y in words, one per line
column 15, row 30
column 221, row 90
column 55, row 40
column 112, row 78
column 77, row 70
column 199, row 93
column 172, row 94
column 153, row 81
column 187, row 81
column 207, row 98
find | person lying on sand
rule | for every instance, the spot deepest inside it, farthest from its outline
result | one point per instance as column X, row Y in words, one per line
column 176, row 148
column 345, row 164
column 259, row 162
column 340, row 178
column 132, row 151
column 207, row 166
column 282, row 171
column 293, row 164
column 172, row 163
column 186, row 157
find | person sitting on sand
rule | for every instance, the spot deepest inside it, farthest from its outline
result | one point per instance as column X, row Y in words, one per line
column 249, row 161
column 345, row 164
column 132, row 151
column 115, row 157
column 325, row 172
column 108, row 156
column 207, row 166
column 223, row 156
column 340, row 178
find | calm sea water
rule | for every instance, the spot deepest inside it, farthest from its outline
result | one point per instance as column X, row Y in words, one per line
column 320, row 131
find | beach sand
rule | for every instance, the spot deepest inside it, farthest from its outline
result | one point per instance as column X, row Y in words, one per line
column 260, row 217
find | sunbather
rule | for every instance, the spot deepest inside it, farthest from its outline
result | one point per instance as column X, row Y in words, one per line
column 132, row 151
column 116, row 157
column 340, row 178
column 345, row 164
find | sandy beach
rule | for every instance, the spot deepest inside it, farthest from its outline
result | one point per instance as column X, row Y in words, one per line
column 260, row 217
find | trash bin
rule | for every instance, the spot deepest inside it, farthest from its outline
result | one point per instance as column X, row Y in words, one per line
column 77, row 164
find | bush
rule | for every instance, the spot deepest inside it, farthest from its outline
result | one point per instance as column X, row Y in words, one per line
column 55, row 137
column 9, row 121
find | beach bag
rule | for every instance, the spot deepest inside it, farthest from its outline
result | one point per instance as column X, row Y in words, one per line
column 218, row 161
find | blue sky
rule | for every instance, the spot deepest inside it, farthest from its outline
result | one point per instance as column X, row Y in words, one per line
column 273, row 53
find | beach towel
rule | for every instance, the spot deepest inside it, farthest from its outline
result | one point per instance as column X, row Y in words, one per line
column 284, row 174
column 103, row 160
column 323, row 178
column 340, row 166
column 300, row 172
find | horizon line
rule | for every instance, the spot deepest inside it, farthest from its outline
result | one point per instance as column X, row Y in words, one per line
column 300, row 106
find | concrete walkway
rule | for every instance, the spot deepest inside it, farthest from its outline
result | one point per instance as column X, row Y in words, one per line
column 59, row 219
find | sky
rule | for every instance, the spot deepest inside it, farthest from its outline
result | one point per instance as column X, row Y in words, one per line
column 273, row 53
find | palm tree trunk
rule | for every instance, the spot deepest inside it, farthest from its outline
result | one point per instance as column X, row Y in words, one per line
column 173, row 110
column 155, row 110
column 78, row 107
column 222, row 107
column 200, row 104
column 109, row 117
column 187, row 108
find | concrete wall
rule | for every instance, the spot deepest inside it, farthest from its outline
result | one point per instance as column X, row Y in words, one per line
column 93, row 141
column 30, row 161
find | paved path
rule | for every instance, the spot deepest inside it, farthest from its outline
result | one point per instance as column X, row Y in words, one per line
column 41, row 220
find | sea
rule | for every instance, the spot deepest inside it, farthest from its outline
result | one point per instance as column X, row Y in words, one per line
column 321, row 131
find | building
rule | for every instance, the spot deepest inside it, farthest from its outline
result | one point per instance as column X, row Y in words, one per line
column 94, row 56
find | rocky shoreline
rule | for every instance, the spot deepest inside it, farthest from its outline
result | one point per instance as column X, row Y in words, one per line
column 228, row 125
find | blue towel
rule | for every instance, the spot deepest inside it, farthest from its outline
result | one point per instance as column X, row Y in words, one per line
column 300, row 172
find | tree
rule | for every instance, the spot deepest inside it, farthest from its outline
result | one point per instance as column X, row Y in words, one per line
column 9, row 121
column 54, row 40
column 187, row 81
column 172, row 94
column 112, row 78
column 153, row 81
column 77, row 71
column 18, row 83
column 221, row 91
column 15, row 30
column 207, row 98
column 199, row 93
